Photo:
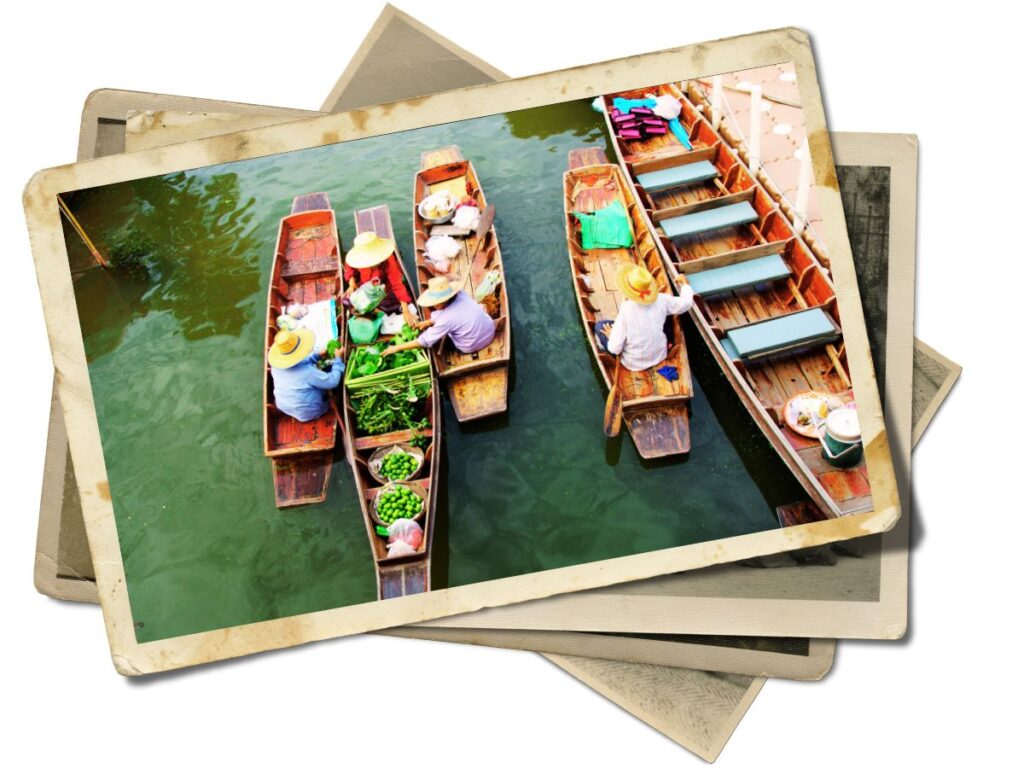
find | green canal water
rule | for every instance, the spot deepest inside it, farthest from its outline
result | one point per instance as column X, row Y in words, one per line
column 175, row 360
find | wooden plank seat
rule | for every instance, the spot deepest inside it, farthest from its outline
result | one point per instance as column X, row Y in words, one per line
column 677, row 176
column 705, row 221
column 310, row 267
column 781, row 334
column 740, row 275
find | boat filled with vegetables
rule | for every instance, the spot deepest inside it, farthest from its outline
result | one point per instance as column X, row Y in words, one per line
column 392, row 415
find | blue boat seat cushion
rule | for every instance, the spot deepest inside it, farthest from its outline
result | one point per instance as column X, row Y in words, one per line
column 810, row 326
column 705, row 221
column 741, row 275
column 677, row 176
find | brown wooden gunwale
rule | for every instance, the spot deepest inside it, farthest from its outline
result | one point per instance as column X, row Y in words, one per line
column 766, row 385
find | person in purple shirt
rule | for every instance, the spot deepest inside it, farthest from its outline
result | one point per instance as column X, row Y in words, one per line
column 453, row 313
column 300, row 387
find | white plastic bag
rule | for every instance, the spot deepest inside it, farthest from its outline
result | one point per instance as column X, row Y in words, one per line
column 399, row 549
column 466, row 217
column 440, row 250
column 667, row 107
column 392, row 324
column 407, row 531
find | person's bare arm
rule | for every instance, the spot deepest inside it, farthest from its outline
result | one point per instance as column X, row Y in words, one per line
column 401, row 347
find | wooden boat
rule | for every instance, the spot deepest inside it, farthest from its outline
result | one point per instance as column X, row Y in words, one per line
column 477, row 383
column 306, row 268
column 765, row 305
column 656, row 411
column 406, row 575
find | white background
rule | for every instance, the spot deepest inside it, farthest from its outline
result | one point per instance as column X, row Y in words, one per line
column 945, row 693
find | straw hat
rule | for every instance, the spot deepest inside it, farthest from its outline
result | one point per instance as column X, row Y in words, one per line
column 438, row 290
column 369, row 250
column 290, row 347
column 637, row 283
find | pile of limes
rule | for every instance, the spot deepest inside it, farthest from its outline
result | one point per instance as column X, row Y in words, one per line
column 401, row 502
column 398, row 465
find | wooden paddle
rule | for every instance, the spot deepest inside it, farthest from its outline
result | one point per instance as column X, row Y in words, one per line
column 482, row 227
column 613, row 408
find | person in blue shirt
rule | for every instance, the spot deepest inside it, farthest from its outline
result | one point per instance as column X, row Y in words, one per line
column 300, row 387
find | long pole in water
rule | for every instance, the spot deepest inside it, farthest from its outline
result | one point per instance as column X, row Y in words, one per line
column 81, row 233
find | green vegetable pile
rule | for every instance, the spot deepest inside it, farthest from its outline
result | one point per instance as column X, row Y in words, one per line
column 400, row 502
column 387, row 410
column 328, row 361
column 398, row 465
column 368, row 359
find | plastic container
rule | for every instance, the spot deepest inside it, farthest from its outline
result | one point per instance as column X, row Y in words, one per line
column 840, row 442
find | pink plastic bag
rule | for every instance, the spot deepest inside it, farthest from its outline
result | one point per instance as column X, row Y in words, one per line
column 406, row 531
column 399, row 549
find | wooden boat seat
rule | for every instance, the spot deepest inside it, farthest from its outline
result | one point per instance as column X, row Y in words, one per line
column 705, row 221
column 781, row 334
column 677, row 176
column 740, row 275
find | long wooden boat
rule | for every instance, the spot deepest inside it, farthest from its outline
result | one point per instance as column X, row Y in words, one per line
column 656, row 411
column 765, row 305
column 477, row 383
column 411, row 574
column 307, row 268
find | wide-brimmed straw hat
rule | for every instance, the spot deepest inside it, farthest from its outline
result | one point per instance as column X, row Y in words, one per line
column 438, row 289
column 290, row 347
column 637, row 283
column 369, row 250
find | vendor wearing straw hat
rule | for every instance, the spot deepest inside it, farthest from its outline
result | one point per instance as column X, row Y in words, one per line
column 374, row 258
column 453, row 313
column 638, row 333
column 300, row 387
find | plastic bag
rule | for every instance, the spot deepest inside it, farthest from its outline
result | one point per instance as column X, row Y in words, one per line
column 367, row 296
column 466, row 217
column 667, row 107
column 440, row 250
column 488, row 284
column 406, row 530
column 399, row 549
column 392, row 324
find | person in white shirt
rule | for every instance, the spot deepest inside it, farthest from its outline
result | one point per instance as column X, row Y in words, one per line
column 638, row 333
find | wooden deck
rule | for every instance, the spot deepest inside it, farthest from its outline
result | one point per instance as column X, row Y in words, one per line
column 307, row 268
column 477, row 383
column 408, row 575
column 764, row 385
column 656, row 411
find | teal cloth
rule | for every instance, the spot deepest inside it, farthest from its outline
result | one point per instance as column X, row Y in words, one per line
column 625, row 105
column 680, row 132
column 605, row 228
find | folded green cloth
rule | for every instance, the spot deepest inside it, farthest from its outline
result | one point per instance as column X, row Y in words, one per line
column 606, row 228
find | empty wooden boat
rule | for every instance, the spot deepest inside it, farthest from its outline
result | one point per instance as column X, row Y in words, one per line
column 477, row 383
column 656, row 410
column 765, row 306
column 307, row 268
column 410, row 574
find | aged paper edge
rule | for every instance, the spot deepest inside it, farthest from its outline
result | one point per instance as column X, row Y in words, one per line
column 635, row 707
column 667, row 653
column 582, row 82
